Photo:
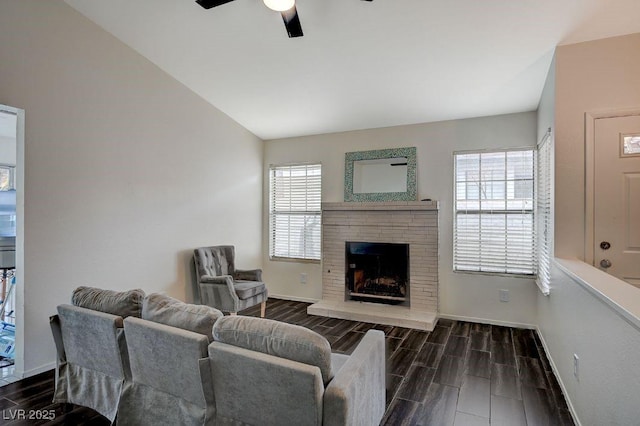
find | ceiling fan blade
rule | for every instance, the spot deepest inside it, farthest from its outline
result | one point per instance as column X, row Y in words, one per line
column 208, row 4
column 292, row 22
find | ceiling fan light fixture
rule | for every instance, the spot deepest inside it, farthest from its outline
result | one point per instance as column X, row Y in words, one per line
column 279, row 5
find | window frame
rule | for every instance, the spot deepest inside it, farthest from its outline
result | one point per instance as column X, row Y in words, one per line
column 272, row 212
column 532, row 275
column 544, row 243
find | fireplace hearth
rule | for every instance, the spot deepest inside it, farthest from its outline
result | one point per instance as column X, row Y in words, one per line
column 377, row 272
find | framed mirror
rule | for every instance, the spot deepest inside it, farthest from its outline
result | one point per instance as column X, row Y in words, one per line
column 380, row 175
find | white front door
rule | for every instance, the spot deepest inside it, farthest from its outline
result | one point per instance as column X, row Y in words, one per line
column 617, row 197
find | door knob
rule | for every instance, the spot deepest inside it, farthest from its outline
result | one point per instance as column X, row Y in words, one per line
column 605, row 263
column 605, row 245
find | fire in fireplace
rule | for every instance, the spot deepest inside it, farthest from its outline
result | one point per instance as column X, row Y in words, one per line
column 377, row 272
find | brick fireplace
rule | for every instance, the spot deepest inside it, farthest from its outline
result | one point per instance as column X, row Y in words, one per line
column 411, row 224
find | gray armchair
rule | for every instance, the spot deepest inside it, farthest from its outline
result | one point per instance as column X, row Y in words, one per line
column 224, row 287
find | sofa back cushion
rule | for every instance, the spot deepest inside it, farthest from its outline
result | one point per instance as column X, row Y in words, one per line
column 166, row 359
column 121, row 303
column 173, row 312
column 276, row 338
column 92, row 340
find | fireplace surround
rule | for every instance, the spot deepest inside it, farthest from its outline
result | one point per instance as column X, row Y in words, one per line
column 410, row 223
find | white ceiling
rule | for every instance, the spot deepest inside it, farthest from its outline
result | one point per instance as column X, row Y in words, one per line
column 360, row 64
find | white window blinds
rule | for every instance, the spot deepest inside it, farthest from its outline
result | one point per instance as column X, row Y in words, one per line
column 295, row 211
column 494, row 216
column 544, row 212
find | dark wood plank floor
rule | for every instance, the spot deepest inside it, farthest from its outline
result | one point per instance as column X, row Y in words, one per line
column 459, row 374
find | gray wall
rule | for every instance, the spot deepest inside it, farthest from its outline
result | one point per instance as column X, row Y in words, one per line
column 126, row 170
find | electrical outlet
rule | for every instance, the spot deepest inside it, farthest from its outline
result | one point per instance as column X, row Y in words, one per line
column 504, row 295
column 303, row 278
column 575, row 365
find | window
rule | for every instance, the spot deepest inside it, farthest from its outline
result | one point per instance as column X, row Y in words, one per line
column 295, row 212
column 7, row 178
column 544, row 212
column 494, row 212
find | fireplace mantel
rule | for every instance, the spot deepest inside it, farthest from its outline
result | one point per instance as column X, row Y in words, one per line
column 384, row 206
column 406, row 222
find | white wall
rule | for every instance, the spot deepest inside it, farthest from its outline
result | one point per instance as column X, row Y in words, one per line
column 573, row 321
column 126, row 170
column 468, row 295
column 547, row 105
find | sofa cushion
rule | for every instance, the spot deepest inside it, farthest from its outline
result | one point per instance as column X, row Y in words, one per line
column 248, row 289
column 173, row 312
column 276, row 338
column 121, row 303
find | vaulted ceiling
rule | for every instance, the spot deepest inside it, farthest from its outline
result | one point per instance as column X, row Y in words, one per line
column 360, row 64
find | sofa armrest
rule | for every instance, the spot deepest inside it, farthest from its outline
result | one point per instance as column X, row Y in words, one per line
column 356, row 395
column 248, row 274
column 54, row 323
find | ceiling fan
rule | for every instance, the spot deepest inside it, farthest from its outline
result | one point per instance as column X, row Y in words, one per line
column 287, row 9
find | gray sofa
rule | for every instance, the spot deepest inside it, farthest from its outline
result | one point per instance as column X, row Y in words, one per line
column 266, row 372
column 142, row 365
column 187, row 364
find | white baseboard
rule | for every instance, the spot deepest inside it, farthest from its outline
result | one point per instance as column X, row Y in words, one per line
column 487, row 321
column 293, row 298
column 38, row 370
column 572, row 411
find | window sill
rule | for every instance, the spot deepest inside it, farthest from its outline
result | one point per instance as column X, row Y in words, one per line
column 497, row 274
column 292, row 260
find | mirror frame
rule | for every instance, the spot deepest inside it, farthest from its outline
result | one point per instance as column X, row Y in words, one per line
column 411, row 193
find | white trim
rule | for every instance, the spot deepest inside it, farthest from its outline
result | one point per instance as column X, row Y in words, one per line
column 618, row 295
column 20, row 284
column 486, row 321
column 554, row 370
column 589, row 173
column 43, row 368
column 292, row 298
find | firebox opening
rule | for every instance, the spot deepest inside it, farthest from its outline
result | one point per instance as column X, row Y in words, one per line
column 377, row 272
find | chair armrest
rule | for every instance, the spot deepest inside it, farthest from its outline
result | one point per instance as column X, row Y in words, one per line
column 356, row 395
column 219, row 292
column 248, row 274
column 54, row 323
column 222, row 279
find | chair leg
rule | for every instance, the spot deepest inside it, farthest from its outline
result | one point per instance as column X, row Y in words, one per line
column 233, row 314
column 263, row 308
